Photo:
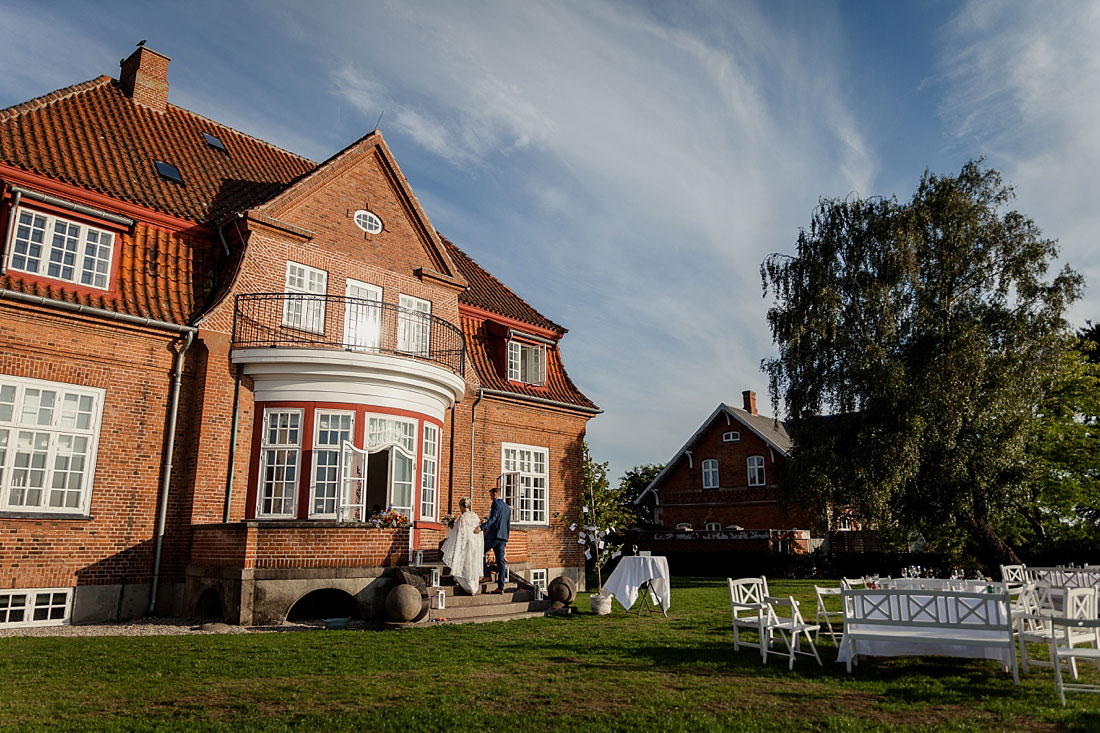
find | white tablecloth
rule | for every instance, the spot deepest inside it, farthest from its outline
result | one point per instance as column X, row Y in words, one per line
column 631, row 575
column 972, row 586
column 912, row 644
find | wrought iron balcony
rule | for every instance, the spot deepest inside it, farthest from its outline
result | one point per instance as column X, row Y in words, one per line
column 301, row 320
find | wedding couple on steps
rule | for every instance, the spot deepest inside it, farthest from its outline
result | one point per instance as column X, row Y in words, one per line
column 469, row 539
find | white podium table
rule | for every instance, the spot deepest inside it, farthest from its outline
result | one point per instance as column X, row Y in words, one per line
column 636, row 575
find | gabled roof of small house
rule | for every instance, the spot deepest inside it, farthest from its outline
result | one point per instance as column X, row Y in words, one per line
column 771, row 431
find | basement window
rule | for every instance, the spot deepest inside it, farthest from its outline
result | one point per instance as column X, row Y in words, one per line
column 168, row 171
column 35, row 607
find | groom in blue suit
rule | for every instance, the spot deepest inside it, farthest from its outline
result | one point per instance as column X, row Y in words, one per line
column 496, row 527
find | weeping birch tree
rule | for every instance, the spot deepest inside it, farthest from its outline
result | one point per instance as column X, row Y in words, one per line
column 929, row 331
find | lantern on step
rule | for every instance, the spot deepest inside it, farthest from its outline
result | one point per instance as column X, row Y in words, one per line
column 435, row 577
column 418, row 558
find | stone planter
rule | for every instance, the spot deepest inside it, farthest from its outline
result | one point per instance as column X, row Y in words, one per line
column 601, row 604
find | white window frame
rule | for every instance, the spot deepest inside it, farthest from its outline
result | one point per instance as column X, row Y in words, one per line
column 539, row 578
column 335, row 448
column 429, row 471
column 755, row 480
column 414, row 325
column 373, row 221
column 31, row 596
column 713, row 526
column 526, row 362
column 520, row 488
column 61, row 425
column 362, row 323
column 394, row 436
column 91, row 269
column 710, row 473
column 305, row 314
column 265, row 447
column 731, row 436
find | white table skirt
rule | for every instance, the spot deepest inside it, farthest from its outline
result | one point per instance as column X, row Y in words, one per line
column 910, row 643
column 632, row 573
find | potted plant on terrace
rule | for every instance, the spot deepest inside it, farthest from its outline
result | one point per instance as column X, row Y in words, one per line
column 601, row 513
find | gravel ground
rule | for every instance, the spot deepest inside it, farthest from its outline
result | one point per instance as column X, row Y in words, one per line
column 160, row 627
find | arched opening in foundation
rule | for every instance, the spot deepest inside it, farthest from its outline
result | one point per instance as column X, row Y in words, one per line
column 324, row 603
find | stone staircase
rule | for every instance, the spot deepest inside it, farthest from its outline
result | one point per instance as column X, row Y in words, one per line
column 517, row 601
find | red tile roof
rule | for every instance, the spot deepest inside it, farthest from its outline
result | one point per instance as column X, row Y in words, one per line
column 559, row 387
column 94, row 136
column 488, row 293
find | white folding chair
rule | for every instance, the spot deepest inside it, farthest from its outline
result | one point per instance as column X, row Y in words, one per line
column 748, row 609
column 853, row 583
column 823, row 614
column 1035, row 624
column 1014, row 574
column 1069, row 631
column 789, row 625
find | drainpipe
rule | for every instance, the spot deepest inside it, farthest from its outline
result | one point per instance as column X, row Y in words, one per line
column 173, row 410
column 166, row 470
column 233, row 446
column 473, row 432
column 10, row 232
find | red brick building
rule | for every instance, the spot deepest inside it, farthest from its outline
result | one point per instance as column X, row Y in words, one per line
column 218, row 358
column 728, row 477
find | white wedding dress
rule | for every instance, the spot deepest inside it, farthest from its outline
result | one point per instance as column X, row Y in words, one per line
column 464, row 552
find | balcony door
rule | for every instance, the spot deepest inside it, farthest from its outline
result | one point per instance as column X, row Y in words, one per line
column 414, row 325
column 362, row 319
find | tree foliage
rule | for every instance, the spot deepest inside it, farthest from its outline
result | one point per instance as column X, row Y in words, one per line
column 601, row 516
column 633, row 483
column 930, row 332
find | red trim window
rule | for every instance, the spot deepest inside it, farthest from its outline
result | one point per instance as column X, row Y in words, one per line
column 61, row 249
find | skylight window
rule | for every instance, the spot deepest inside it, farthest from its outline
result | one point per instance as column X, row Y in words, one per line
column 166, row 170
column 214, row 142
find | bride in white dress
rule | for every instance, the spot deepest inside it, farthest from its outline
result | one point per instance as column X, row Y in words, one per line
column 464, row 551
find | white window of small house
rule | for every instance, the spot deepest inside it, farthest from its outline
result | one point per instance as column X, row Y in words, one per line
column 414, row 325
column 429, row 471
column 280, row 458
column 731, row 437
column 49, row 434
column 710, row 474
column 304, row 307
column 62, row 249
column 527, row 362
column 524, row 482
column 538, row 578
column 331, row 430
column 35, row 606
column 756, row 471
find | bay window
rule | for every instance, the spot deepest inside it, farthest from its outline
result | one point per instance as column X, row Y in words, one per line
column 429, row 471
column 332, row 430
column 280, row 457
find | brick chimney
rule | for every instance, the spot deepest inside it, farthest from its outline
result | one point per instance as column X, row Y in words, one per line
column 750, row 401
column 144, row 78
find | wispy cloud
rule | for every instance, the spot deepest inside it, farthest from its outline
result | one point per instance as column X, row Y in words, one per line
column 1023, row 87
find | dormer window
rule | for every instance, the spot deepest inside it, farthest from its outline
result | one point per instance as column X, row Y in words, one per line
column 62, row 249
column 526, row 362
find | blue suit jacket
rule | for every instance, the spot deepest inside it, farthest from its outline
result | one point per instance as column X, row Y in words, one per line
column 497, row 524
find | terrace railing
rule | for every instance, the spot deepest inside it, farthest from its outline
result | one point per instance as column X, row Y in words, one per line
column 302, row 320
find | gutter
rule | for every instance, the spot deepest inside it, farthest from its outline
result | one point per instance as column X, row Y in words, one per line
column 173, row 410
column 74, row 207
column 540, row 401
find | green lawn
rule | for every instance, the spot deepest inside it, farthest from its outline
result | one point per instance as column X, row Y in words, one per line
column 581, row 673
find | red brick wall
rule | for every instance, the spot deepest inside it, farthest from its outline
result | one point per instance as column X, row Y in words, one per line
column 134, row 366
column 254, row 545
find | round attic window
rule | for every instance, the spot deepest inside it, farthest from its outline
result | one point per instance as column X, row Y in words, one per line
column 368, row 222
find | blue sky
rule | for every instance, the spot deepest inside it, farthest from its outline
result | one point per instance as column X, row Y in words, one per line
column 625, row 167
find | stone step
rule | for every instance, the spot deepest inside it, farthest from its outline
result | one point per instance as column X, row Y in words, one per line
column 492, row 611
column 488, row 619
column 461, row 600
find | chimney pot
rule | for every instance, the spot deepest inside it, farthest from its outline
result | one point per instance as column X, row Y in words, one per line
column 750, row 401
column 143, row 77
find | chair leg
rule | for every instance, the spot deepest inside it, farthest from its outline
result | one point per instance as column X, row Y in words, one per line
column 813, row 648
